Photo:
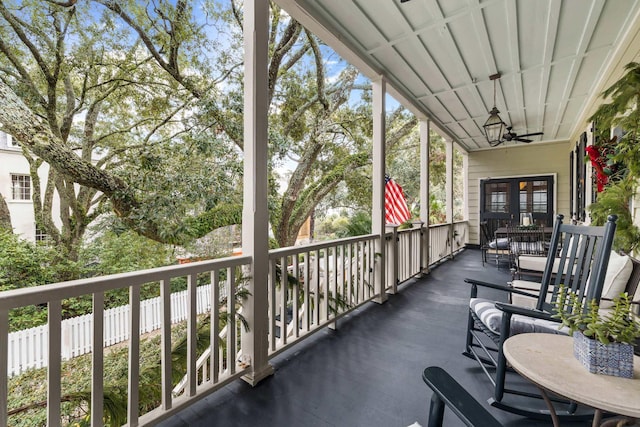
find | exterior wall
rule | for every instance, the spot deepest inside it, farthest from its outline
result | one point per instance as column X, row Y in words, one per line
column 518, row 160
column 13, row 162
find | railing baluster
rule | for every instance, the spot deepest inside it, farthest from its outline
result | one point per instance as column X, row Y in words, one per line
column 54, row 364
column 192, row 330
column 231, row 324
column 97, row 361
column 215, row 326
column 350, row 283
column 134, row 355
column 272, row 299
column 165, row 343
column 296, row 297
column 325, row 283
column 307, row 297
column 316, row 284
column 4, row 361
column 334, row 283
column 284, row 288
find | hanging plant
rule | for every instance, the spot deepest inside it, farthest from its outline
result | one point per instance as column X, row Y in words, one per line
column 623, row 112
column 618, row 159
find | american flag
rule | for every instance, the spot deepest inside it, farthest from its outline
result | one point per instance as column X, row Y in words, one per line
column 395, row 204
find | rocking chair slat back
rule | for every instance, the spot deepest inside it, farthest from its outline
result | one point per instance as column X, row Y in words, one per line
column 582, row 262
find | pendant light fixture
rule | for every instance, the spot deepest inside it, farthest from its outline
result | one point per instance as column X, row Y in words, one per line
column 494, row 126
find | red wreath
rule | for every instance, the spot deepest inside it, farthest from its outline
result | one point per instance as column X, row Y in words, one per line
column 598, row 162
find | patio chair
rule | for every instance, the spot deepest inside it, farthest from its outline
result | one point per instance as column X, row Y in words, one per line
column 447, row 391
column 490, row 246
column 525, row 242
column 581, row 266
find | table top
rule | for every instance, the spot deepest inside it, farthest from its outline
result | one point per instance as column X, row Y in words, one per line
column 547, row 360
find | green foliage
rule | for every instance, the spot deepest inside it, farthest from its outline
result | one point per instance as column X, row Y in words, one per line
column 22, row 264
column 618, row 325
column 359, row 224
column 616, row 199
column 121, row 251
column 621, row 112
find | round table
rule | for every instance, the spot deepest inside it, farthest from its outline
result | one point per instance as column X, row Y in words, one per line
column 547, row 360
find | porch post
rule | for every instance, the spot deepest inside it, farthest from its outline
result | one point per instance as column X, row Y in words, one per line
column 424, row 192
column 588, row 176
column 377, row 206
column 465, row 194
column 465, row 186
column 392, row 259
column 449, row 192
column 255, row 214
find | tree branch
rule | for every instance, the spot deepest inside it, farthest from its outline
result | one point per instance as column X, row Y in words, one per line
column 289, row 38
column 319, row 70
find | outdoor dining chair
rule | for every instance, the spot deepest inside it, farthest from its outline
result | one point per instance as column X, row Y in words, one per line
column 580, row 266
column 498, row 249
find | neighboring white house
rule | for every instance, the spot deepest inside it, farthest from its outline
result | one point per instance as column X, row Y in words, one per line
column 17, row 190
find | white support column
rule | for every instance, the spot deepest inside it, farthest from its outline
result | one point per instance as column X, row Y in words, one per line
column 588, row 176
column 424, row 191
column 449, row 181
column 449, row 192
column 255, row 215
column 465, row 186
column 377, row 214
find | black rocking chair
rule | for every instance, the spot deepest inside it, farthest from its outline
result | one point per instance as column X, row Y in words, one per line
column 580, row 264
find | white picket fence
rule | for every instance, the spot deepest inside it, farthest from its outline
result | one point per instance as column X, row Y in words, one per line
column 28, row 348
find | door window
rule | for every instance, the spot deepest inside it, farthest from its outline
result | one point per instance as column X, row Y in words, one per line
column 497, row 197
column 503, row 200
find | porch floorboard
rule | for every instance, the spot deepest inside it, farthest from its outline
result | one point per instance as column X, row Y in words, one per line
column 368, row 372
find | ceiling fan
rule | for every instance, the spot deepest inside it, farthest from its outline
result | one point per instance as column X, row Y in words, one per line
column 510, row 135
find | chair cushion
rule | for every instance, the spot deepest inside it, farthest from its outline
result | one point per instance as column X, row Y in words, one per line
column 491, row 317
column 532, row 262
column 538, row 263
column 527, row 248
column 532, row 287
column 619, row 271
column 501, row 243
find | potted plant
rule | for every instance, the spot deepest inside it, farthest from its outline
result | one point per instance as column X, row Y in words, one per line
column 603, row 343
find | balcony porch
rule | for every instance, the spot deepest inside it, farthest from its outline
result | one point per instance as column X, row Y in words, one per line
column 368, row 371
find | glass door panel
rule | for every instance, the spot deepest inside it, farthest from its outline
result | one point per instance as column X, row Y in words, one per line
column 503, row 200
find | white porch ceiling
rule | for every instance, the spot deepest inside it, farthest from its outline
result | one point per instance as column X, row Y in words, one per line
column 555, row 57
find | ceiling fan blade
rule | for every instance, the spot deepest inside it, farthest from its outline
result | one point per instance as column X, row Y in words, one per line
column 531, row 134
column 522, row 140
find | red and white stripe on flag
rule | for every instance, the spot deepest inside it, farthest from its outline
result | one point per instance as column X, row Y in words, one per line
column 395, row 204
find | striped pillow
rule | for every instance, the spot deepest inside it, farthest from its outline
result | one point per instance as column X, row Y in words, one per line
column 491, row 317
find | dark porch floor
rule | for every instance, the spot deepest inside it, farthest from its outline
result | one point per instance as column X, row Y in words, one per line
column 368, row 372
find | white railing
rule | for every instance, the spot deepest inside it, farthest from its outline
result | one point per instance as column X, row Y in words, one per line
column 460, row 235
column 446, row 239
column 410, row 252
column 222, row 274
column 439, row 242
column 309, row 287
column 322, row 283
column 28, row 348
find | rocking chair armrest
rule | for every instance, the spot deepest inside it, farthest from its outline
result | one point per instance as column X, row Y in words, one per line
column 524, row 311
column 489, row 285
column 503, row 288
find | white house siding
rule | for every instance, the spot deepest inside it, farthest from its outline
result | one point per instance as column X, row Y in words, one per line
column 22, row 217
column 518, row 160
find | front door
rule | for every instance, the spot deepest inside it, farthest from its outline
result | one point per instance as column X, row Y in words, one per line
column 503, row 200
